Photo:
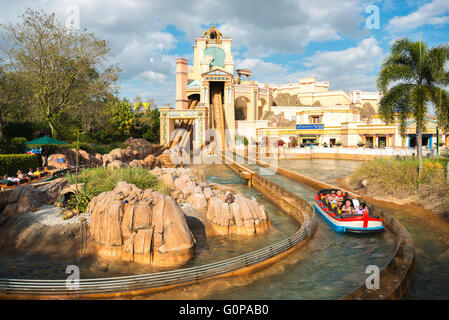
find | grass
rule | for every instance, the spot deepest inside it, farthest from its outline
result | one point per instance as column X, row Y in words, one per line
column 399, row 178
column 99, row 180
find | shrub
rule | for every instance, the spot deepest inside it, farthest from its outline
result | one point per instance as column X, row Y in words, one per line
column 101, row 179
column 10, row 163
column 81, row 200
column 239, row 139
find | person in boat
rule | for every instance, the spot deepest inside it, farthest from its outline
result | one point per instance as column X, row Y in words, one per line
column 331, row 196
column 30, row 172
column 347, row 208
column 361, row 210
column 19, row 174
column 5, row 179
column 37, row 173
column 340, row 195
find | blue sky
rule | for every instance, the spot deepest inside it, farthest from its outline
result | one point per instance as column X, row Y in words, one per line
column 280, row 41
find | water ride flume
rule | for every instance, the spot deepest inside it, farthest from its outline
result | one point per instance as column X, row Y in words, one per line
column 44, row 175
column 361, row 221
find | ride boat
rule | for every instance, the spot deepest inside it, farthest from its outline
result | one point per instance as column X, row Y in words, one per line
column 366, row 222
column 46, row 175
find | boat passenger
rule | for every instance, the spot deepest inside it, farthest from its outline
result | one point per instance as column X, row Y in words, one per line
column 30, row 172
column 340, row 195
column 361, row 210
column 19, row 174
column 347, row 208
column 37, row 173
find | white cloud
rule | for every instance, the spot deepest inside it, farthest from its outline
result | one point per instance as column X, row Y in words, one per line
column 348, row 69
column 433, row 13
column 136, row 31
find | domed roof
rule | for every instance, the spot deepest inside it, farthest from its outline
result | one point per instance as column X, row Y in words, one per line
column 213, row 35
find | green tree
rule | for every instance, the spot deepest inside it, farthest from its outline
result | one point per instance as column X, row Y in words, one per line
column 62, row 68
column 412, row 79
column 12, row 97
column 123, row 118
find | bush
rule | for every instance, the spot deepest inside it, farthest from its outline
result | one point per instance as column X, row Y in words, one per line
column 12, row 146
column 100, row 180
column 399, row 177
column 10, row 163
column 239, row 139
column 81, row 200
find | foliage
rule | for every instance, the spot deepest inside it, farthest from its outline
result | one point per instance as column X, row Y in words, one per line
column 11, row 163
column 239, row 139
column 412, row 77
column 61, row 68
column 400, row 179
column 81, row 200
column 101, row 179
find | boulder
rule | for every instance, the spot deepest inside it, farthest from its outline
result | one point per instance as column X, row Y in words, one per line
column 53, row 189
column 27, row 198
column 167, row 178
column 136, row 163
column 141, row 226
column 116, row 164
column 197, row 200
column 141, row 148
column 23, row 199
column 149, row 161
column 242, row 216
column 53, row 161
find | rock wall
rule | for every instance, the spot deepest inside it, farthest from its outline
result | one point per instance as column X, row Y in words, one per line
column 141, row 226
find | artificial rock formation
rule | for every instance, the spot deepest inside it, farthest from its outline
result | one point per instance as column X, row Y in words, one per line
column 140, row 225
column 226, row 213
column 237, row 215
column 28, row 198
column 279, row 120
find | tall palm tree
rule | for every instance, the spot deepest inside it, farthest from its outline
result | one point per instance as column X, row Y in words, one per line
column 412, row 79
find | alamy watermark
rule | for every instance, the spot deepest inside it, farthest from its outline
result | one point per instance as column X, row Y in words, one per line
column 373, row 280
column 72, row 282
column 373, row 20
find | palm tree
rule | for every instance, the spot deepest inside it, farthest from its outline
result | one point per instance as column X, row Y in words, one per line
column 412, row 79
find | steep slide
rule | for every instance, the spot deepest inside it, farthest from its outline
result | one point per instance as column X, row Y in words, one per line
column 181, row 138
column 218, row 115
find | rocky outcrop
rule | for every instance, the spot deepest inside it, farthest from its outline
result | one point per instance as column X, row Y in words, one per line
column 28, row 198
column 225, row 212
column 140, row 225
column 69, row 157
column 239, row 215
column 276, row 121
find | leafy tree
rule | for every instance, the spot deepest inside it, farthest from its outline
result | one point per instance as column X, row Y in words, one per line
column 123, row 118
column 12, row 97
column 412, row 78
column 62, row 68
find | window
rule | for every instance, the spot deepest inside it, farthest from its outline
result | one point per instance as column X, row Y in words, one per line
column 315, row 119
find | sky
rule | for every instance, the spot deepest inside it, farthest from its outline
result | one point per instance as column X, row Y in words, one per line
column 343, row 41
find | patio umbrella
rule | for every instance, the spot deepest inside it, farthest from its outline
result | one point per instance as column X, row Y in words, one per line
column 44, row 141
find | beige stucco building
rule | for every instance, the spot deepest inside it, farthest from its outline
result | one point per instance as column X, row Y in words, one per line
column 212, row 94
